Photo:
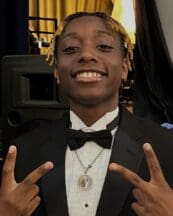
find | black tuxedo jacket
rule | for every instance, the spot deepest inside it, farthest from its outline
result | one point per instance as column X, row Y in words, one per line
column 47, row 142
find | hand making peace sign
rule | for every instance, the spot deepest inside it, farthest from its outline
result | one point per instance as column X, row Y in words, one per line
column 19, row 198
column 153, row 198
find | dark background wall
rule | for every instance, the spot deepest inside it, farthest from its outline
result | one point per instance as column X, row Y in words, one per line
column 13, row 35
column 14, row 27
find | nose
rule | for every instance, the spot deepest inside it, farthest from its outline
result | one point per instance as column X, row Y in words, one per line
column 87, row 54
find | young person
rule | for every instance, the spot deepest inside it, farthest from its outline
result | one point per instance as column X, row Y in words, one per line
column 92, row 53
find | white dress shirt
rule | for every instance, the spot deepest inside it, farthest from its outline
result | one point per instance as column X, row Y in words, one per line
column 85, row 202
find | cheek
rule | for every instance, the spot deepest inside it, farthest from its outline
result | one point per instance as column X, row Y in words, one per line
column 63, row 78
column 63, row 68
column 65, row 63
column 116, row 66
column 62, row 73
column 114, row 69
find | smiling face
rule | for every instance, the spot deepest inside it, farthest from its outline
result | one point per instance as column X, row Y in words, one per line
column 90, row 63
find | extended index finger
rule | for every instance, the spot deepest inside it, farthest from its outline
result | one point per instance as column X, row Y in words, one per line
column 153, row 163
column 8, row 168
column 128, row 175
column 35, row 175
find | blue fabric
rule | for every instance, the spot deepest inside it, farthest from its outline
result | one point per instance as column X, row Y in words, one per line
column 167, row 125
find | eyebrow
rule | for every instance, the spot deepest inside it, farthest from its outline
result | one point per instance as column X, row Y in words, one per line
column 68, row 35
column 74, row 34
column 104, row 32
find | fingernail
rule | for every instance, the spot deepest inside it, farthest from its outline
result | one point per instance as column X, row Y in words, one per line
column 147, row 146
column 48, row 165
column 113, row 166
column 11, row 149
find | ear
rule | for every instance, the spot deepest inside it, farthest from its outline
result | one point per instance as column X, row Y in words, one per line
column 124, row 69
column 56, row 75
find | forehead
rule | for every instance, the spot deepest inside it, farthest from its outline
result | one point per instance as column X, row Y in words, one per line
column 86, row 23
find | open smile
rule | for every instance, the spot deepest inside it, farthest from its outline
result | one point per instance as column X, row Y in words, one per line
column 88, row 76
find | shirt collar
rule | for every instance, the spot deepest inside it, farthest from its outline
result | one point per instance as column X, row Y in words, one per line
column 100, row 124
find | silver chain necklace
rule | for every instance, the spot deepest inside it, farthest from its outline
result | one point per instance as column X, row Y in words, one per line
column 85, row 181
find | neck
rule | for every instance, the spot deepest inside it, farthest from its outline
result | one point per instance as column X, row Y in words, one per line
column 90, row 114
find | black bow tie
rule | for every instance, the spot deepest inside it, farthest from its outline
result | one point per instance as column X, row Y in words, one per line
column 77, row 138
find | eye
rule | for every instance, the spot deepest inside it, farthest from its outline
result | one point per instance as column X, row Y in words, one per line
column 70, row 50
column 105, row 47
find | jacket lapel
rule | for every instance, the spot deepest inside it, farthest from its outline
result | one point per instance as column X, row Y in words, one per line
column 53, row 184
column 126, row 151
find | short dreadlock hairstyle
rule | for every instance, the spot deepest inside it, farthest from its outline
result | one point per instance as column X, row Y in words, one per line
column 114, row 26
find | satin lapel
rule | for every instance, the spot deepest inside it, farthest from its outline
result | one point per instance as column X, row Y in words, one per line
column 53, row 183
column 128, row 152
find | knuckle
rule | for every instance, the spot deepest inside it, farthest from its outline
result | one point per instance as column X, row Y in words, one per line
column 27, row 180
column 155, row 168
column 121, row 169
column 41, row 171
column 136, row 179
column 6, row 171
column 35, row 188
column 32, row 206
column 37, row 199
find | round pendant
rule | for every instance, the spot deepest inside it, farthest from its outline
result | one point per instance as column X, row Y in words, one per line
column 85, row 182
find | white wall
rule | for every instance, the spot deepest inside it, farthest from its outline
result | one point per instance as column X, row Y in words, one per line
column 165, row 9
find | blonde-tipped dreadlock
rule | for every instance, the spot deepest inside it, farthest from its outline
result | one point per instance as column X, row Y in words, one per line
column 111, row 24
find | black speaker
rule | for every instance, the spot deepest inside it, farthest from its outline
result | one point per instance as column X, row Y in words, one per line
column 29, row 92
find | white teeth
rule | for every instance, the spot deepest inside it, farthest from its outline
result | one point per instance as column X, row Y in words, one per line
column 85, row 75
column 88, row 75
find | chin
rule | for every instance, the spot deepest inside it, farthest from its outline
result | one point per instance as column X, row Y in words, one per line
column 89, row 101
